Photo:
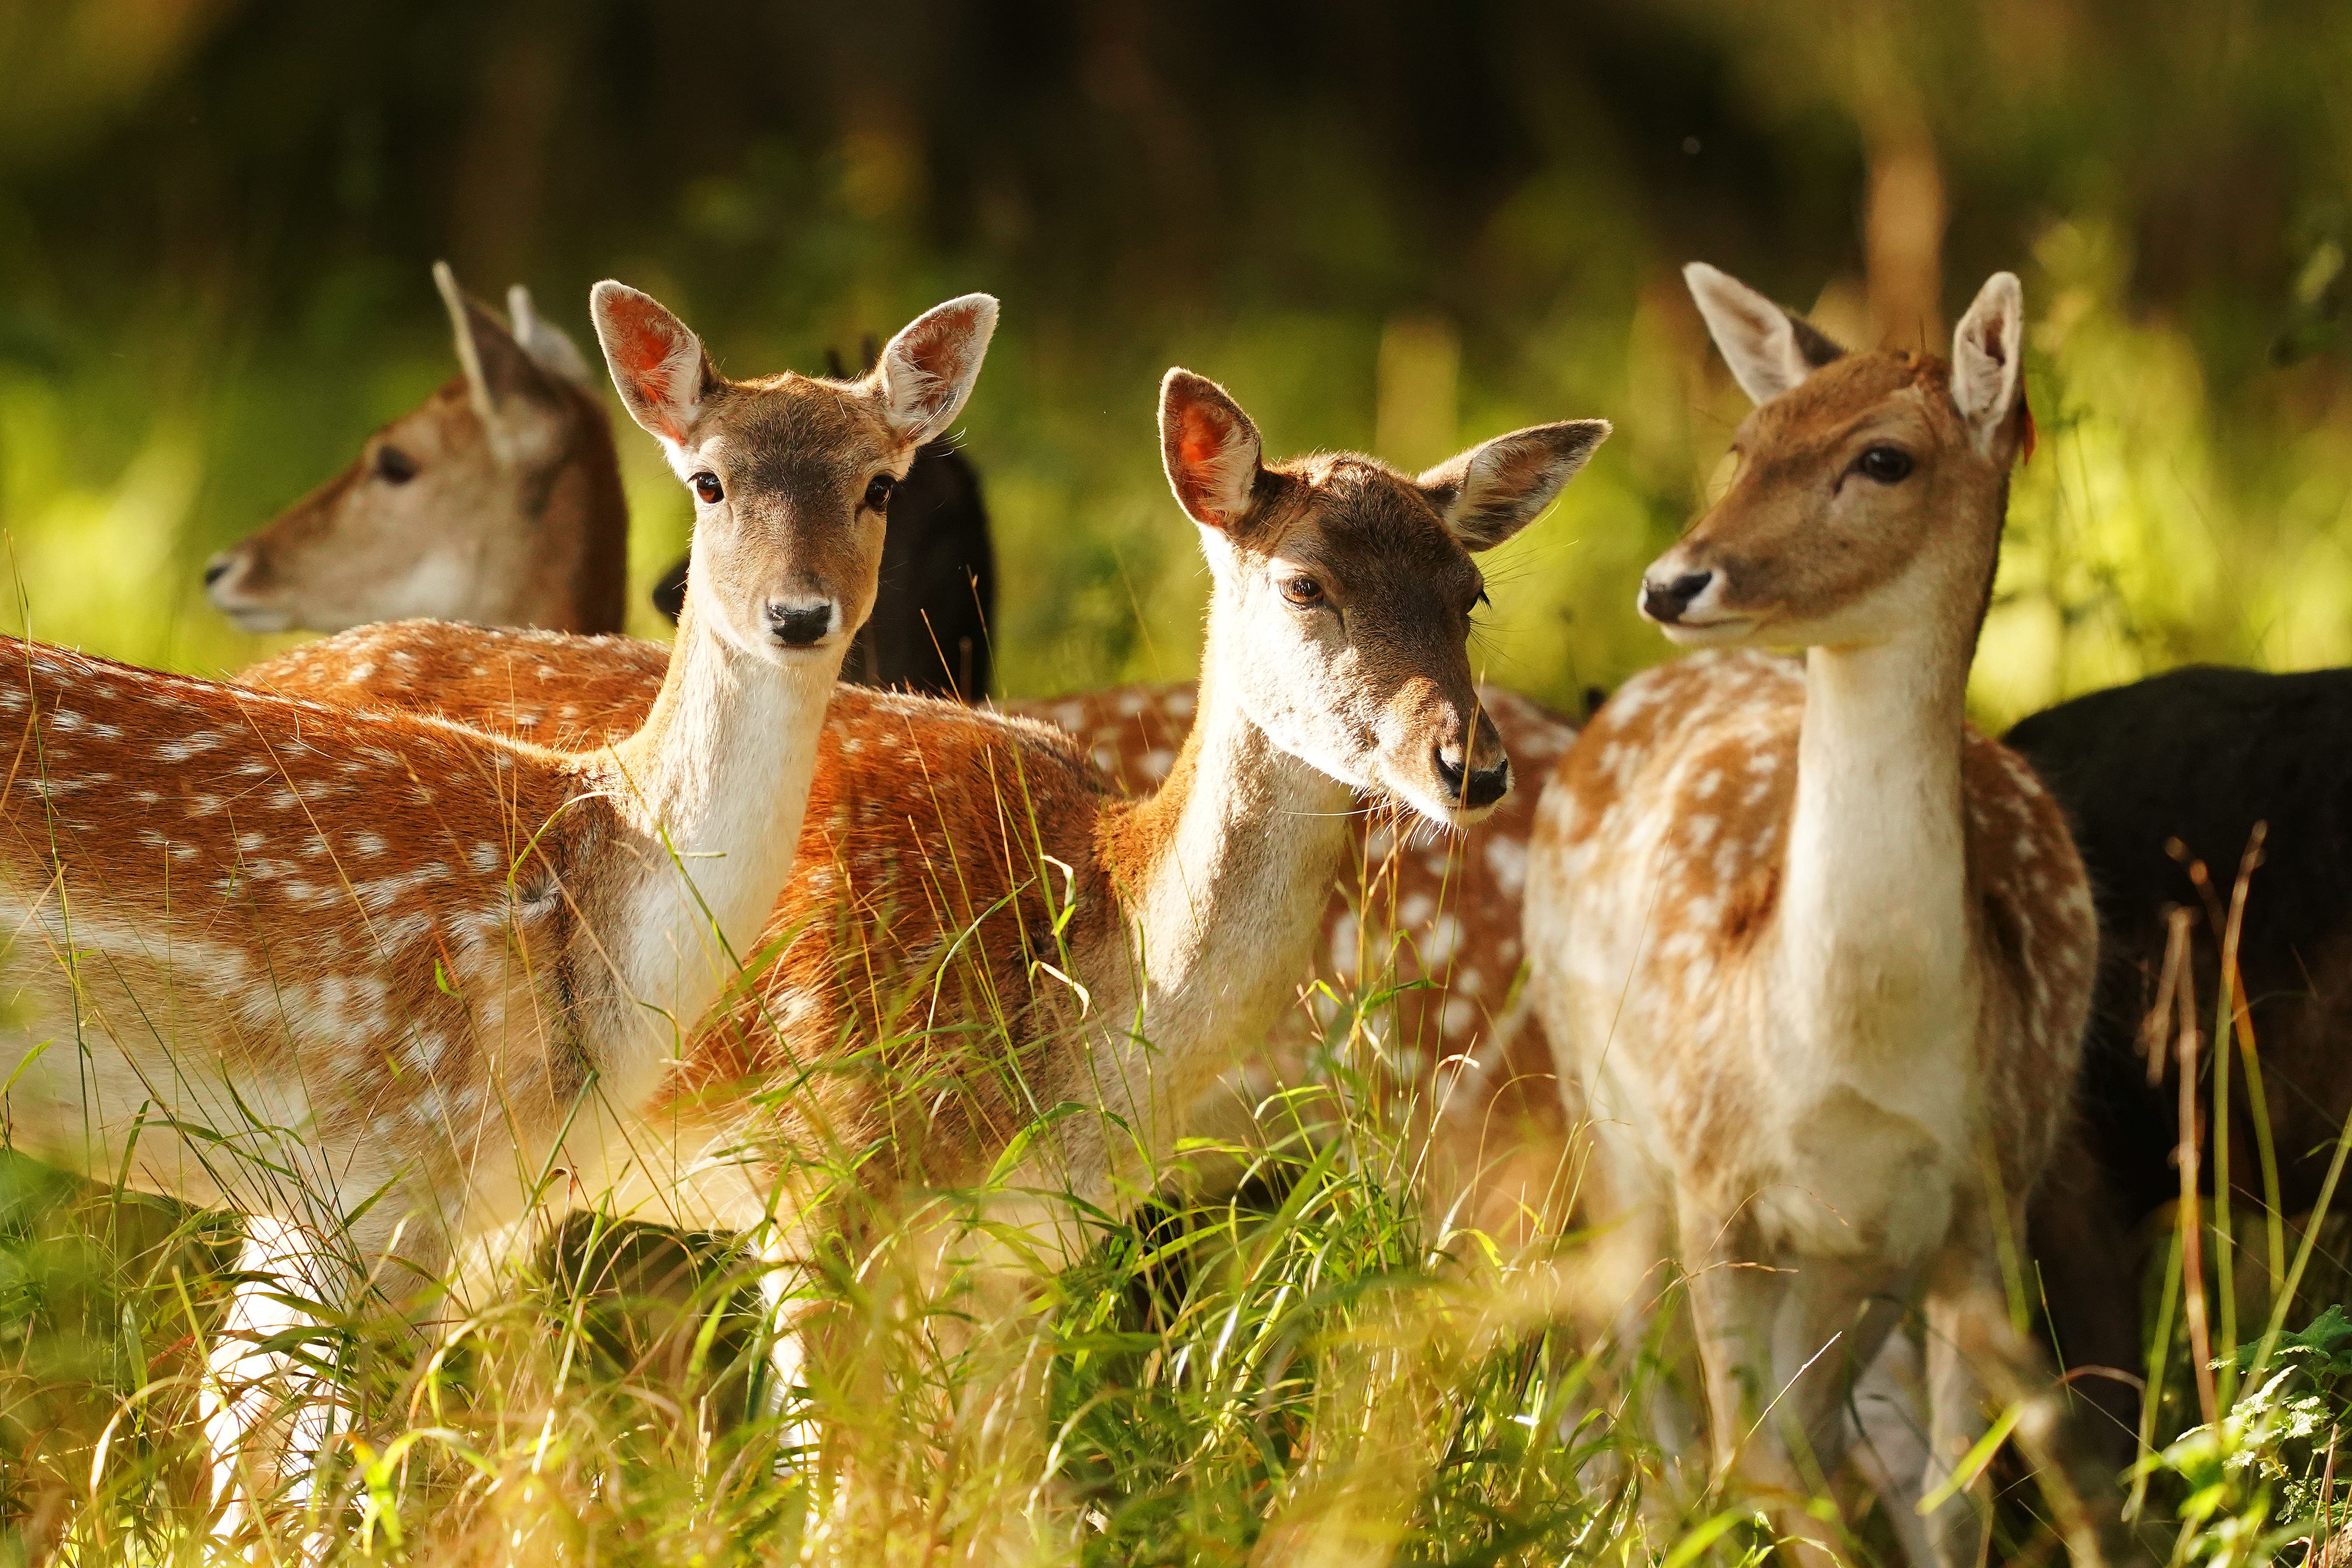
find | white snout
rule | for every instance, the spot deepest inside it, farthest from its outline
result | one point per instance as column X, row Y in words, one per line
column 1687, row 604
column 225, row 576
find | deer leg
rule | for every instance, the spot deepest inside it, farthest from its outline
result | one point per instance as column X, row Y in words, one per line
column 785, row 1314
column 1734, row 1301
column 1837, row 1319
column 1889, row 1450
column 1962, row 1306
column 270, row 1402
column 1782, row 1345
column 1974, row 1351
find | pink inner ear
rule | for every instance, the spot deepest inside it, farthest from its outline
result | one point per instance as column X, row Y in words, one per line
column 644, row 338
column 932, row 350
column 1993, row 346
column 1202, row 437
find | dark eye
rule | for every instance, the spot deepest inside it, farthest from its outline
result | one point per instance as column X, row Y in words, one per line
column 1302, row 591
column 1482, row 599
column 394, row 467
column 706, row 485
column 1887, row 465
column 878, row 492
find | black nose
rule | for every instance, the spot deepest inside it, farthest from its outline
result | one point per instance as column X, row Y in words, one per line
column 1480, row 789
column 216, row 568
column 800, row 627
column 1665, row 602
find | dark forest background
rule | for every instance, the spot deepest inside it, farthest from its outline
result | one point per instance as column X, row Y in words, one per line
column 1383, row 226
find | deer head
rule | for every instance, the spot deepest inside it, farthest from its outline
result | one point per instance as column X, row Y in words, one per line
column 1344, row 591
column 1870, row 487
column 791, row 476
column 450, row 510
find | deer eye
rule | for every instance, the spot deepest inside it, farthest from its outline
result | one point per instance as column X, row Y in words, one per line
column 1303, row 591
column 394, row 467
column 1887, row 465
column 878, row 492
column 706, row 485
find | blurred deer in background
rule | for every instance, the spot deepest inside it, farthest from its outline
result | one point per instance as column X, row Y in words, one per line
column 499, row 501
column 984, row 933
column 367, row 976
column 1817, row 954
column 2166, row 781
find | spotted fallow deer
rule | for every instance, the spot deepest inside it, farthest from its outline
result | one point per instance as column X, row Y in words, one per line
column 1817, row 954
column 985, row 933
column 496, row 501
column 366, row 976
column 1458, row 1040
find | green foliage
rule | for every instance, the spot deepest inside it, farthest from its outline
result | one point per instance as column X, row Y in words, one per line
column 2264, row 1474
column 1392, row 230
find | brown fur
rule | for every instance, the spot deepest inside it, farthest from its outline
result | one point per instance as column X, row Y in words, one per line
column 1818, row 956
column 1709, row 742
column 313, row 962
column 1466, row 1046
column 524, row 526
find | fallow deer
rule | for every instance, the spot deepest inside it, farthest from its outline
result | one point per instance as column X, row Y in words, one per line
column 499, row 501
column 984, row 932
column 1437, row 926
column 1817, row 953
column 930, row 632
column 366, row 976
column 496, row 501
column 1459, row 1040
column 2162, row 778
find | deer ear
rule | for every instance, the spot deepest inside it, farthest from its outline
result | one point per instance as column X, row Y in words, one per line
column 1211, row 449
column 929, row 368
column 1987, row 384
column 658, row 367
column 1769, row 350
column 510, row 391
column 548, row 346
column 1493, row 489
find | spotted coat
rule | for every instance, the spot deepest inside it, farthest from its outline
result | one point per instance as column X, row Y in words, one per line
column 1458, row 1038
column 287, row 923
column 1668, row 823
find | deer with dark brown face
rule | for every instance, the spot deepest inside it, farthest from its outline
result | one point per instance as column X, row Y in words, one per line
column 498, row 501
column 366, row 976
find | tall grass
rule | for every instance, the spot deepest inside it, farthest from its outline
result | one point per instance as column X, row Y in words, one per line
column 1301, row 1360
column 1309, row 1363
column 1300, row 1366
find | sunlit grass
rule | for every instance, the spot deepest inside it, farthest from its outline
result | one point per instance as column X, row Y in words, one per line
column 2158, row 523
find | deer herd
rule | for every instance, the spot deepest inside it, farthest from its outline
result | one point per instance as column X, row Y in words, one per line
column 1778, row 980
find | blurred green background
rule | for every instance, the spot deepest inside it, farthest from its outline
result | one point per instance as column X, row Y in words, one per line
column 1382, row 226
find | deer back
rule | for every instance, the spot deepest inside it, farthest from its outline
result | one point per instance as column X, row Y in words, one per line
column 1460, row 1042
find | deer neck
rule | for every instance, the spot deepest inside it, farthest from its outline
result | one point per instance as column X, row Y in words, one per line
column 1873, row 931
column 1224, row 875
column 564, row 563
column 711, row 791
